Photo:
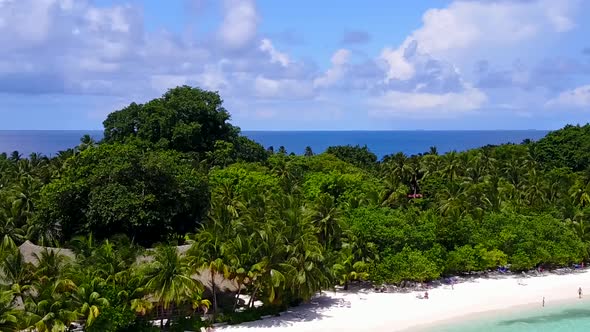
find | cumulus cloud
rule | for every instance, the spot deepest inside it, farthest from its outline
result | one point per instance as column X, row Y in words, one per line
column 275, row 56
column 575, row 98
column 431, row 68
column 396, row 102
column 554, row 74
column 469, row 31
column 75, row 47
column 336, row 72
column 239, row 23
column 282, row 88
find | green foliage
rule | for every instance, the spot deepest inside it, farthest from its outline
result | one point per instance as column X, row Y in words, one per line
column 407, row 264
column 281, row 227
column 184, row 119
column 567, row 147
column 111, row 189
column 468, row 259
column 243, row 179
column 355, row 155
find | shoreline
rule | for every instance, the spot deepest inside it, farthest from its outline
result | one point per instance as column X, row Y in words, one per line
column 366, row 310
column 491, row 314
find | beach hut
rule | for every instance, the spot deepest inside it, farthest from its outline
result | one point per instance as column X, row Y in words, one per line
column 31, row 251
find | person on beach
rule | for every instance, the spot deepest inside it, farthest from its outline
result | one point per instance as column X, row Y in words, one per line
column 543, row 301
column 426, row 295
column 580, row 292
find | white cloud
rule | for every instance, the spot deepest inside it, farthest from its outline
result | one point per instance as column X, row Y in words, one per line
column 431, row 69
column 465, row 25
column 468, row 31
column 399, row 67
column 275, row 56
column 212, row 78
column 339, row 61
column 396, row 102
column 75, row 47
column 575, row 98
column 282, row 88
column 239, row 24
column 113, row 19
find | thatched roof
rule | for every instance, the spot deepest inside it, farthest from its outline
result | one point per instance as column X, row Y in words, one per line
column 30, row 251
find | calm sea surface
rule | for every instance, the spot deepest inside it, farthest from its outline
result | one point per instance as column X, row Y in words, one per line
column 573, row 317
column 380, row 142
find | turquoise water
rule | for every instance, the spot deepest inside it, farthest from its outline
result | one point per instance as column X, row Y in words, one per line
column 573, row 317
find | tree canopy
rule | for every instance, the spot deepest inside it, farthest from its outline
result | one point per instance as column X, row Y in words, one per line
column 149, row 195
column 184, row 119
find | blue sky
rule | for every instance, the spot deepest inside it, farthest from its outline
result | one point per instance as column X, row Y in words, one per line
column 301, row 65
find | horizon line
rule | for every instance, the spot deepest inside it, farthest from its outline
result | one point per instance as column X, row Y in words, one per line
column 313, row 130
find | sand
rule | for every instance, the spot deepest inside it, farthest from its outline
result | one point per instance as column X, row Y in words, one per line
column 365, row 310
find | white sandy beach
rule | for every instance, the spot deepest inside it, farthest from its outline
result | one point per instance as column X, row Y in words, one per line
column 371, row 311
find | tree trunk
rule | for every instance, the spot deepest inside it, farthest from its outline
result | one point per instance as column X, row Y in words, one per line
column 346, row 284
column 169, row 316
column 238, row 295
column 213, row 290
column 251, row 303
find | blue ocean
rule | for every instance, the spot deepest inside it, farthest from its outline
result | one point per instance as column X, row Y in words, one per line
column 381, row 143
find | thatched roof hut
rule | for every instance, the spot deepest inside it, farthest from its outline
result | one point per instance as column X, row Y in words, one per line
column 30, row 250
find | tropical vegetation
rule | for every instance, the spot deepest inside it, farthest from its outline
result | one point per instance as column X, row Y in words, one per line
column 174, row 203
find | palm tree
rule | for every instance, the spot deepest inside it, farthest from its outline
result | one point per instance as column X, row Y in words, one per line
column 535, row 190
column 513, row 171
column 415, row 173
column 287, row 173
column 395, row 192
column 238, row 251
column 452, row 200
column 8, row 315
column 398, row 166
column 17, row 274
column 349, row 267
column 580, row 192
column 51, row 265
column 433, row 150
column 451, row 165
column 11, row 231
column 207, row 253
column 15, row 156
column 168, row 278
column 476, row 170
column 52, row 309
column 52, row 315
column 303, row 268
column 208, row 246
column 108, row 261
column 26, row 192
column 580, row 225
column 89, row 301
column 86, row 142
column 325, row 216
